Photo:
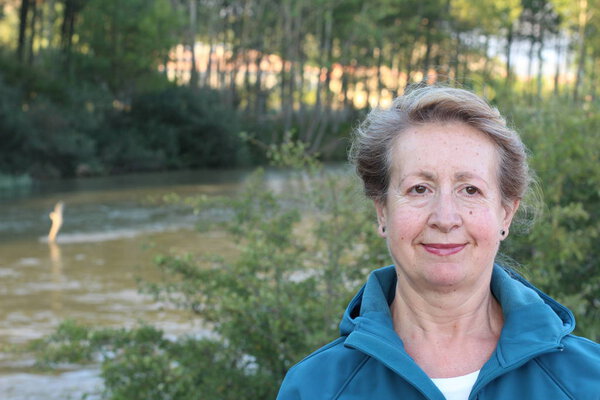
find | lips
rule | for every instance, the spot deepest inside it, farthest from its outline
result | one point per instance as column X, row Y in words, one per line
column 443, row 249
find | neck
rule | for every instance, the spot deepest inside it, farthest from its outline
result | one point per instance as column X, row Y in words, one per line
column 452, row 315
column 450, row 332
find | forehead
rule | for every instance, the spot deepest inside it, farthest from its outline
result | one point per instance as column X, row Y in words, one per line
column 436, row 148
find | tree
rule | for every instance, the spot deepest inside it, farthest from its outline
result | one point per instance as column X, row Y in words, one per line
column 125, row 50
column 491, row 18
column 23, row 18
column 71, row 9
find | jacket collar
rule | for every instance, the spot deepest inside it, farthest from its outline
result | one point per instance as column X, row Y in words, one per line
column 533, row 324
column 532, row 320
column 368, row 325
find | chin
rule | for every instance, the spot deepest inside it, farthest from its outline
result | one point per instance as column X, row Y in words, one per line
column 446, row 275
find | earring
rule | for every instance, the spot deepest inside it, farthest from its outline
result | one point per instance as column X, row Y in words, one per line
column 383, row 229
column 502, row 232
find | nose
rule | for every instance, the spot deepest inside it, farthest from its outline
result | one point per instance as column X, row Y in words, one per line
column 444, row 215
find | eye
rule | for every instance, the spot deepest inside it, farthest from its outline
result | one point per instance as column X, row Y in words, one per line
column 418, row 189
column 471, row 190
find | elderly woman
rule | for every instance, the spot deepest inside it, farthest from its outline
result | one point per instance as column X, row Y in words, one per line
column 446, row 176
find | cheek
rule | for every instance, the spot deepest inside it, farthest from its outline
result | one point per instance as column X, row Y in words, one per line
column 483, row 225
column 406, row 224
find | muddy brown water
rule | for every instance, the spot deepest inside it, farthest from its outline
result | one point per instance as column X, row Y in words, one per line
column 112, row 231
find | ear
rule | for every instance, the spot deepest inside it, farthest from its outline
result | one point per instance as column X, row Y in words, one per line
column 381, row 217
column 510, row 210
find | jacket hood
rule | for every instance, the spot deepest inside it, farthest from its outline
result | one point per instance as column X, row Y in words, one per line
column 536, row 319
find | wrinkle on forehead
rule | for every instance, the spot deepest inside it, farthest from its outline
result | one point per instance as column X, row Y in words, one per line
column 451, row 131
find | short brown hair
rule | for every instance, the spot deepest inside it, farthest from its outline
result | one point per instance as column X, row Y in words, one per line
column 375, row 136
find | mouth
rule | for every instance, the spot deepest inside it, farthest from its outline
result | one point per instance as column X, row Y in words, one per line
column 443, row 249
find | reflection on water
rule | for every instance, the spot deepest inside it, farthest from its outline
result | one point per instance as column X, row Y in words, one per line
column 56, row 260
column 110, row 235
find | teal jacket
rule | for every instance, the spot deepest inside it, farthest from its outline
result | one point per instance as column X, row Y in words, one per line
column 537, row 357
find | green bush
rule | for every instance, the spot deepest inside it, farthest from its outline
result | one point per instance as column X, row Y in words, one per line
column 142, row 364
column 172, row 128
column 41, row 137
column 65, row 129
column 560, row 253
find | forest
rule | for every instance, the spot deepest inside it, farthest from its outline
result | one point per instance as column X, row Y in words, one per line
column 104, row 86
column 101, row 87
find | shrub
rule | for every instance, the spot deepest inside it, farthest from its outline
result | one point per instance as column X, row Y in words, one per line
column 560, row 253
column 172, row 128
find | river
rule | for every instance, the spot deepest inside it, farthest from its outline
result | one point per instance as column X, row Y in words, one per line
column 113, row 227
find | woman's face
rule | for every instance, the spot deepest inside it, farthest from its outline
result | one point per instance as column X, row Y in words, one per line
column 443, row 214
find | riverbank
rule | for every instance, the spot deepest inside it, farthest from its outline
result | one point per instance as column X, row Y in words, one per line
column 114, row 227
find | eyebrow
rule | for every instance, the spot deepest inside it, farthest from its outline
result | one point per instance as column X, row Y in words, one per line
column 466, row 175
column 420, row 174
column 459, row 176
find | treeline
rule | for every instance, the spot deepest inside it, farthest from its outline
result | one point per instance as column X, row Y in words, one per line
column 103, row 86
column 81, row 94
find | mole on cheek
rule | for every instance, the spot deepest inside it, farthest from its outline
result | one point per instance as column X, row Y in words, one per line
column 470, row 212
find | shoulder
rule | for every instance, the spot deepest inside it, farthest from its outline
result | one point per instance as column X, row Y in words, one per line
column 322, row 374
column 576, row 368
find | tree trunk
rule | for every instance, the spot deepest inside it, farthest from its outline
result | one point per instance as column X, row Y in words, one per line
column 289, row 117
column 593, row 75
column 329, row 62
column 114, row 38
column 345, row 83
column 282, row 96
column 259, row 96
column 409, row 65
column 302, row 113
column 465, row 68
column 379, row 78
column 327, row 116
column 209, row 66
column 558, row 51
column 32, row 30
column 222, row 68
column 41, row 25
column 540, row 58
column 247, row 85
column 428, row 46
column 255, row 93
column 583, row 20
column 396, row 63
column 48, row 20
column 23, row 14
column 530, row 55
column 233, row 98
column 509, row 43
column 455, row 63
column 66, row 32
column 192, row 42
column 366, row 78
column 486, row 63
column 286, row 40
